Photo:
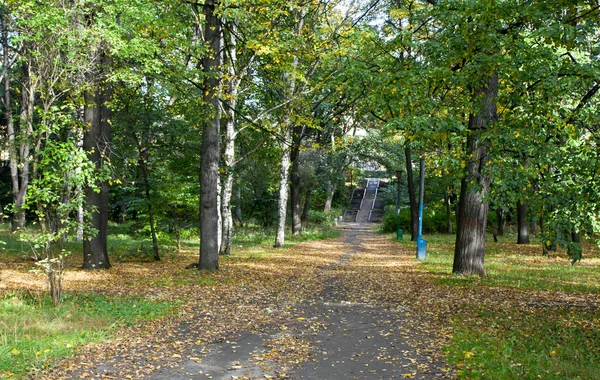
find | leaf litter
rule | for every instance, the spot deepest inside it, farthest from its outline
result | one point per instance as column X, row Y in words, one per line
column 298, row 292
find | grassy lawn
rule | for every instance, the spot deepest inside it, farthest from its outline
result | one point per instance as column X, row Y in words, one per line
column 34, row 334
column 530, row 317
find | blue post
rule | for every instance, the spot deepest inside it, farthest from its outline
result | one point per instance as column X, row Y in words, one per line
column 421, row 243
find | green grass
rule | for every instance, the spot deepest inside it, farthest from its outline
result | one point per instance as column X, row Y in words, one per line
column 545, row 344
column 254, row 236
column 33, row 333
column 513, row 266
column 531, row 341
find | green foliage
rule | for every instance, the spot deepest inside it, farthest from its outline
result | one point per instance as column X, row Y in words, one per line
column 435, row 220
column 56, row 196
column 34, row 334
column 390, row 219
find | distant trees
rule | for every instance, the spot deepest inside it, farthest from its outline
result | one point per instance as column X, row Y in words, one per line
column 228, row 105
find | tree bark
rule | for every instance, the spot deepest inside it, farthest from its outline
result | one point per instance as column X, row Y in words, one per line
column 283, row 189
column 412, row 196
column 143, row 162
column 501, row 216
column 331, row 187
column 522, row 226
column 306, row 208
column 286, row 145
column 226, row 246
column 19, row 157
column 209, row 150
column 473, row 208
column 226, row 214
column 296, row 196
column 96, row 142
column 238, row 206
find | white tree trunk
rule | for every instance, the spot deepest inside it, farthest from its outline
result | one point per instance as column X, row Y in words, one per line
column 226, row 216
column 330, row 192
column 284, row 175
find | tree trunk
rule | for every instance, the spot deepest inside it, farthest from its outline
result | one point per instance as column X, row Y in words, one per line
column 331, row 187
column 209, row 150
column 501, row 216
column 575, row 237
column 412, row 197
column 295, row 193
column 227, row 217
column 283, row 190
column 226, row 245
column 306, row 208
column 448, row 212
column 18, row 156
column 473, row 208
column 286, row 146
column 143, row 163
column 80, row 219
column 522, row 226
column 96, row 141
column 238, row 206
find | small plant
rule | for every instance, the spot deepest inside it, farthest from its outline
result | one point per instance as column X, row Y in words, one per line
column 56, row 196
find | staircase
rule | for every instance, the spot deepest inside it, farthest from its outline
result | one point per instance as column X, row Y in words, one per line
column 364, row 205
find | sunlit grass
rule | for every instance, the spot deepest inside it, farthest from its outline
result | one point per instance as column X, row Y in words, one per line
column 516, row 266
column 33, row 333
column 533, row 338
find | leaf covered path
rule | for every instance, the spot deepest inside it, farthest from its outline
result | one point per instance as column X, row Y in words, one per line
column 359, row 306
column 321, row 309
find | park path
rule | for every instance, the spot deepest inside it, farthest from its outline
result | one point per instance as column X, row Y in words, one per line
column 353, row 327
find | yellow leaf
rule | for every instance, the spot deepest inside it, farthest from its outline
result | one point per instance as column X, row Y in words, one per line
column 407, row 375
column 301, row 319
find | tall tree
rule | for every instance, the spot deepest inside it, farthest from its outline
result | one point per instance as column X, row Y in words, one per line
column 209, row 150
column 473, row 206
column 96, row 142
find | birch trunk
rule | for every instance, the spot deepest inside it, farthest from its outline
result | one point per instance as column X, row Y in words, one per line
column 226, row 246
column 296, row 197
column 286, row 145
column 283, row 187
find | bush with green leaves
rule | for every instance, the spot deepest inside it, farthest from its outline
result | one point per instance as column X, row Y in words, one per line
column 55, row 197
